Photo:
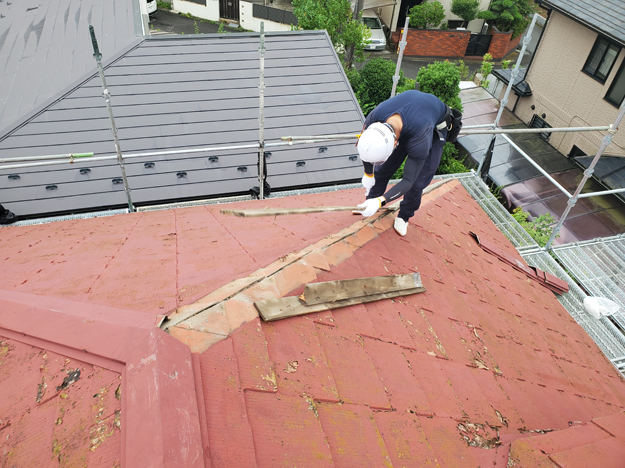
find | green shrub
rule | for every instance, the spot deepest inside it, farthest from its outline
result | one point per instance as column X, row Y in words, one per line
column 407, row 85
column 540, row 229
column 360, row 90
column 486, row 69
column 377, row 76
column 163, row 5
column 464, row 71
column 442, row 79
column 374, row 82
column 428, row 14
column 449, row 162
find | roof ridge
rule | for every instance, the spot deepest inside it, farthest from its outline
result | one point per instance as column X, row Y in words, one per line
column 215, row 316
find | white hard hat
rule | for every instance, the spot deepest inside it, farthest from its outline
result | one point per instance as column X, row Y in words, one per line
column 376, row 143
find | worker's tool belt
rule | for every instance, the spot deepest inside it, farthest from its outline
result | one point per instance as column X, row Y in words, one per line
column 452, row 122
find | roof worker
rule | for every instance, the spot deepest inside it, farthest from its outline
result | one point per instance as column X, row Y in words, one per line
column 412, row 127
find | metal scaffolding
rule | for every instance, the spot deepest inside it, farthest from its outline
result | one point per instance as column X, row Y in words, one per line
column 597, row 265
column 594, row 264
column 107, row 97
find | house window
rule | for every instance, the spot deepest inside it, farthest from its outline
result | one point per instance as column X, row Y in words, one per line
column 616, row 94
column 601, row 58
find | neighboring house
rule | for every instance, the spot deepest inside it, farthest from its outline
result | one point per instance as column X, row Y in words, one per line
column 454, row 21
column 395, row 16
column 577, row 76
column 276, row 14
column 172, row 93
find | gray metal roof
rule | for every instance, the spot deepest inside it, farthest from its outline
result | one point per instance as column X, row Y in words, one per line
column 45, row 46
column 182, row 92
column 605, row 16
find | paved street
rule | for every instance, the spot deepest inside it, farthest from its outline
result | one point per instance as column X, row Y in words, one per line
column 167, row 22
column 164, row 21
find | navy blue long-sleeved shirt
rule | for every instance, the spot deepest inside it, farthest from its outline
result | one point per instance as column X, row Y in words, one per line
column 419, row 112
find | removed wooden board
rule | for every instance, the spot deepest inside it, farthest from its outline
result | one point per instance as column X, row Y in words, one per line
column 276, row 309
column 332, row 291
column 292, row 211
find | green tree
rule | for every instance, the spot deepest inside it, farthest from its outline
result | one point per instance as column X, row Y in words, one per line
column 428, row 14
column 442, row 79
column 335, row 16
column 509, row 15
column 360, row 90
column 465, row 9
column 540, row 229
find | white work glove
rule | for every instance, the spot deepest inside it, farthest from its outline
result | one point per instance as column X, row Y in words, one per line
column 369, row 207
column 368, row 181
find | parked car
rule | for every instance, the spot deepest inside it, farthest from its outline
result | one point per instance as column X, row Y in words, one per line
column 378, row 39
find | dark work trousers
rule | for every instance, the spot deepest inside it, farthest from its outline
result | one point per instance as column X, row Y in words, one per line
column 412, row 198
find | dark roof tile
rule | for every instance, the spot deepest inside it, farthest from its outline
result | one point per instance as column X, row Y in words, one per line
column 604, row 16
column 175, row 93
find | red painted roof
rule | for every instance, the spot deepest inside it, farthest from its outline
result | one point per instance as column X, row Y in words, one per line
column 486, row 357
column 159, row 260
column 483, row 358
column 57, row 411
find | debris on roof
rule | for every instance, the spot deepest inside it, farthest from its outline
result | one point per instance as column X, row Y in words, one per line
column 459, row 375
column 319, row 297
column 548, row 280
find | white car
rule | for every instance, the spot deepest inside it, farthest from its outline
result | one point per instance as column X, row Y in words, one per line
column 378, row 39
column 151, row 6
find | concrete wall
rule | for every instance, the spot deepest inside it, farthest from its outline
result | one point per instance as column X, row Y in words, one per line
column 564, row 93
column 210, row 11
column 247, row 20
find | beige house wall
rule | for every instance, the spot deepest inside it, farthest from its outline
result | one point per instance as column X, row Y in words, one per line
column 568, row 96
